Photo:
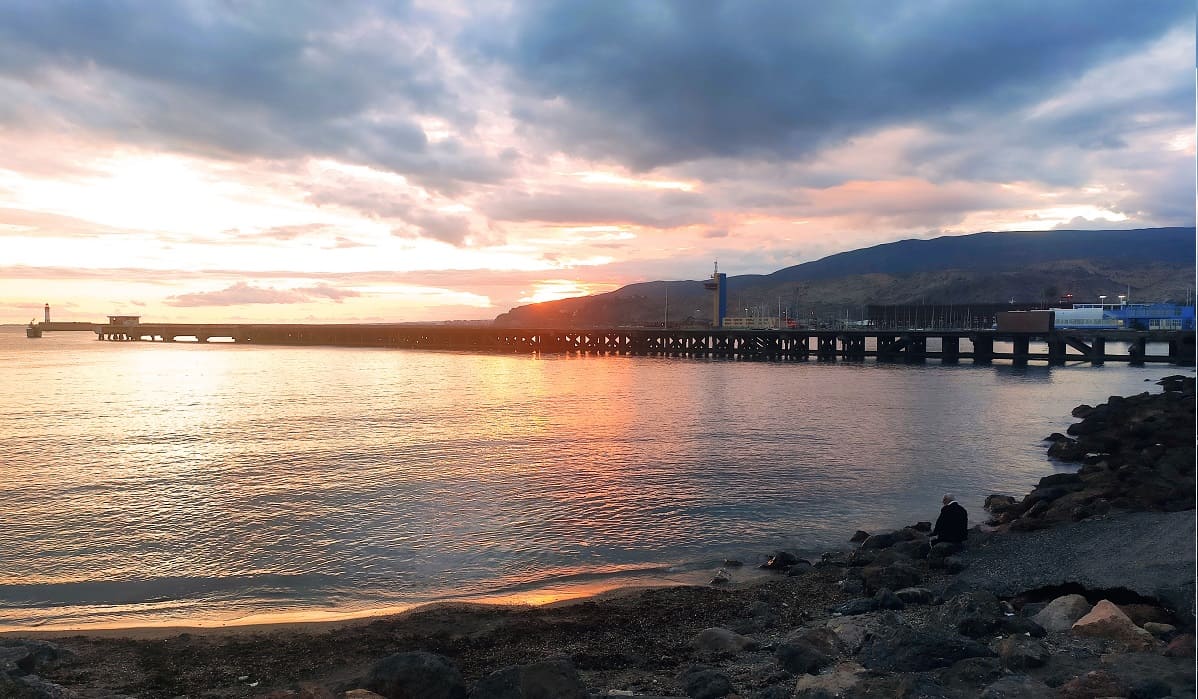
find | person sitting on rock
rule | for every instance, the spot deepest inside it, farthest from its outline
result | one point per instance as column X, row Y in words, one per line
column 952, row 526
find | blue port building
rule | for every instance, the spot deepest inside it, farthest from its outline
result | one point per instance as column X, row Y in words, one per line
column 1125, row 316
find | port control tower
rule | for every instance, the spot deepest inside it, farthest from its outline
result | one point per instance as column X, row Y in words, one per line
column 719, row 305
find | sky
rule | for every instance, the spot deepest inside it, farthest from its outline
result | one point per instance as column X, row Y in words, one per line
column 296, row 161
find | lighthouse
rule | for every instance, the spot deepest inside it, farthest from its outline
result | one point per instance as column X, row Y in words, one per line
column 47, row 313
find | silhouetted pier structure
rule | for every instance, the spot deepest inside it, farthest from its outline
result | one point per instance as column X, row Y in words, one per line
column 949, row 346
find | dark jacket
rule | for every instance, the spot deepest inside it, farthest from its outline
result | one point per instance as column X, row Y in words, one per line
column 952, row 524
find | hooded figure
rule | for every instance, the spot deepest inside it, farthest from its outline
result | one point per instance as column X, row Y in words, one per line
column 953, row 523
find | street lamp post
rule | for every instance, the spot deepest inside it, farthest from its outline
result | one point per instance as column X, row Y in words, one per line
column 1102, row 301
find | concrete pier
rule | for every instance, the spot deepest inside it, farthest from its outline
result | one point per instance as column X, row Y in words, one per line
column 828, row 345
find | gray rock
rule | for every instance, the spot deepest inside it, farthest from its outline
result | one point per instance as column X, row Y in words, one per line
column 1018, row 687
column 885, row 599
column 703, row 682
column 31, row 687
column 894, row 577
column 880, row 541
column 802, row 567
column 916, row 548
column 1094, row 553
column 1021, row 625
column 915, row 595
column 904, row 649
column 799, row 656
column 971, row 673
column 720, row 641
column 1059, row 479
column 854, row 607
column 1150, row 688
column 858, row 536
column 849, row 633
column 1021, row 652
column 22, row 656
column 999, row 503
column 972, row 613
column 416, row 675
column 780, row 561
column 549, row 679
column 1062, row 613
column 916, row 686
column 851, row 586
column 942, row 549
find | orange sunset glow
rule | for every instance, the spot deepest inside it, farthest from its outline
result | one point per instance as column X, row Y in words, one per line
column 385, row 164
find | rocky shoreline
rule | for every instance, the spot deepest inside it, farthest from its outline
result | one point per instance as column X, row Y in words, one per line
column 1082, row 588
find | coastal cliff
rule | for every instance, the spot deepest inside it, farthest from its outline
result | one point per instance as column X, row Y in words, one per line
column 1082, row 588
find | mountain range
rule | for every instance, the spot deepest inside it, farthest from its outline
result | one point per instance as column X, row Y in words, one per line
column 1148, row 264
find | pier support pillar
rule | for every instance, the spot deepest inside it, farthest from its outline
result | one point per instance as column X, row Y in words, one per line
column 983, row 349
column 1098, row 351
column 888, row 348
column 826, row 347
column 917, row 348
column 950, row 350
column 1021, row 350
column 1056, row 351
column 1135, row 351
column 1181, row 351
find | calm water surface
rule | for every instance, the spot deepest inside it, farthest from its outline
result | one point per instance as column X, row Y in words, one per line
column 155, row 483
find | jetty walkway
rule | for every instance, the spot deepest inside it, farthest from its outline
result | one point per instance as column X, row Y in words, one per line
column 978, row 346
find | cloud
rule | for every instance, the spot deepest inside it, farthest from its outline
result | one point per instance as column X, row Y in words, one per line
column 243, row 293
column 578, row 204
column 663, row 83
column 243, row 81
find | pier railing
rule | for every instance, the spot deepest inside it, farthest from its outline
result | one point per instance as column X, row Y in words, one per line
column 978, row 346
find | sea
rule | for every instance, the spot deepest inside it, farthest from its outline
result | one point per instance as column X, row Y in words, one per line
column 158, row 484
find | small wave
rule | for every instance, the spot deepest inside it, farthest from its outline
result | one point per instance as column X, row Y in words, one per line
column 124, row 592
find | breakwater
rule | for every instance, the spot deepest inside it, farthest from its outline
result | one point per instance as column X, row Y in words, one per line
column 978, row 346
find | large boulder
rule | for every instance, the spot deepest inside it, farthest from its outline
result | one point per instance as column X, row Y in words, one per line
column 1092, row 685
column 1021, row 652
column 894, row 576
column 718, row 641
column 1062, row 612
column 550, row 679
column 1018, row 687
column 902, row 648
column 1093, row 553
column 780, row 561
column 969, row 674
column 1107, row 621
column 703, row 682
column 838, row 681
column 915, row 595
column 849, row 633
column 416, row 675
column 799, row 656
column 881, row 541
column 972, row 613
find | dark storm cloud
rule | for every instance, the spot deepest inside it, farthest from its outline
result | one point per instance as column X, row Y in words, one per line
column 661, row 83
column 274, row 80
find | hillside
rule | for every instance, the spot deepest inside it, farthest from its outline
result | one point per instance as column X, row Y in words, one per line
column 1155, row 264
